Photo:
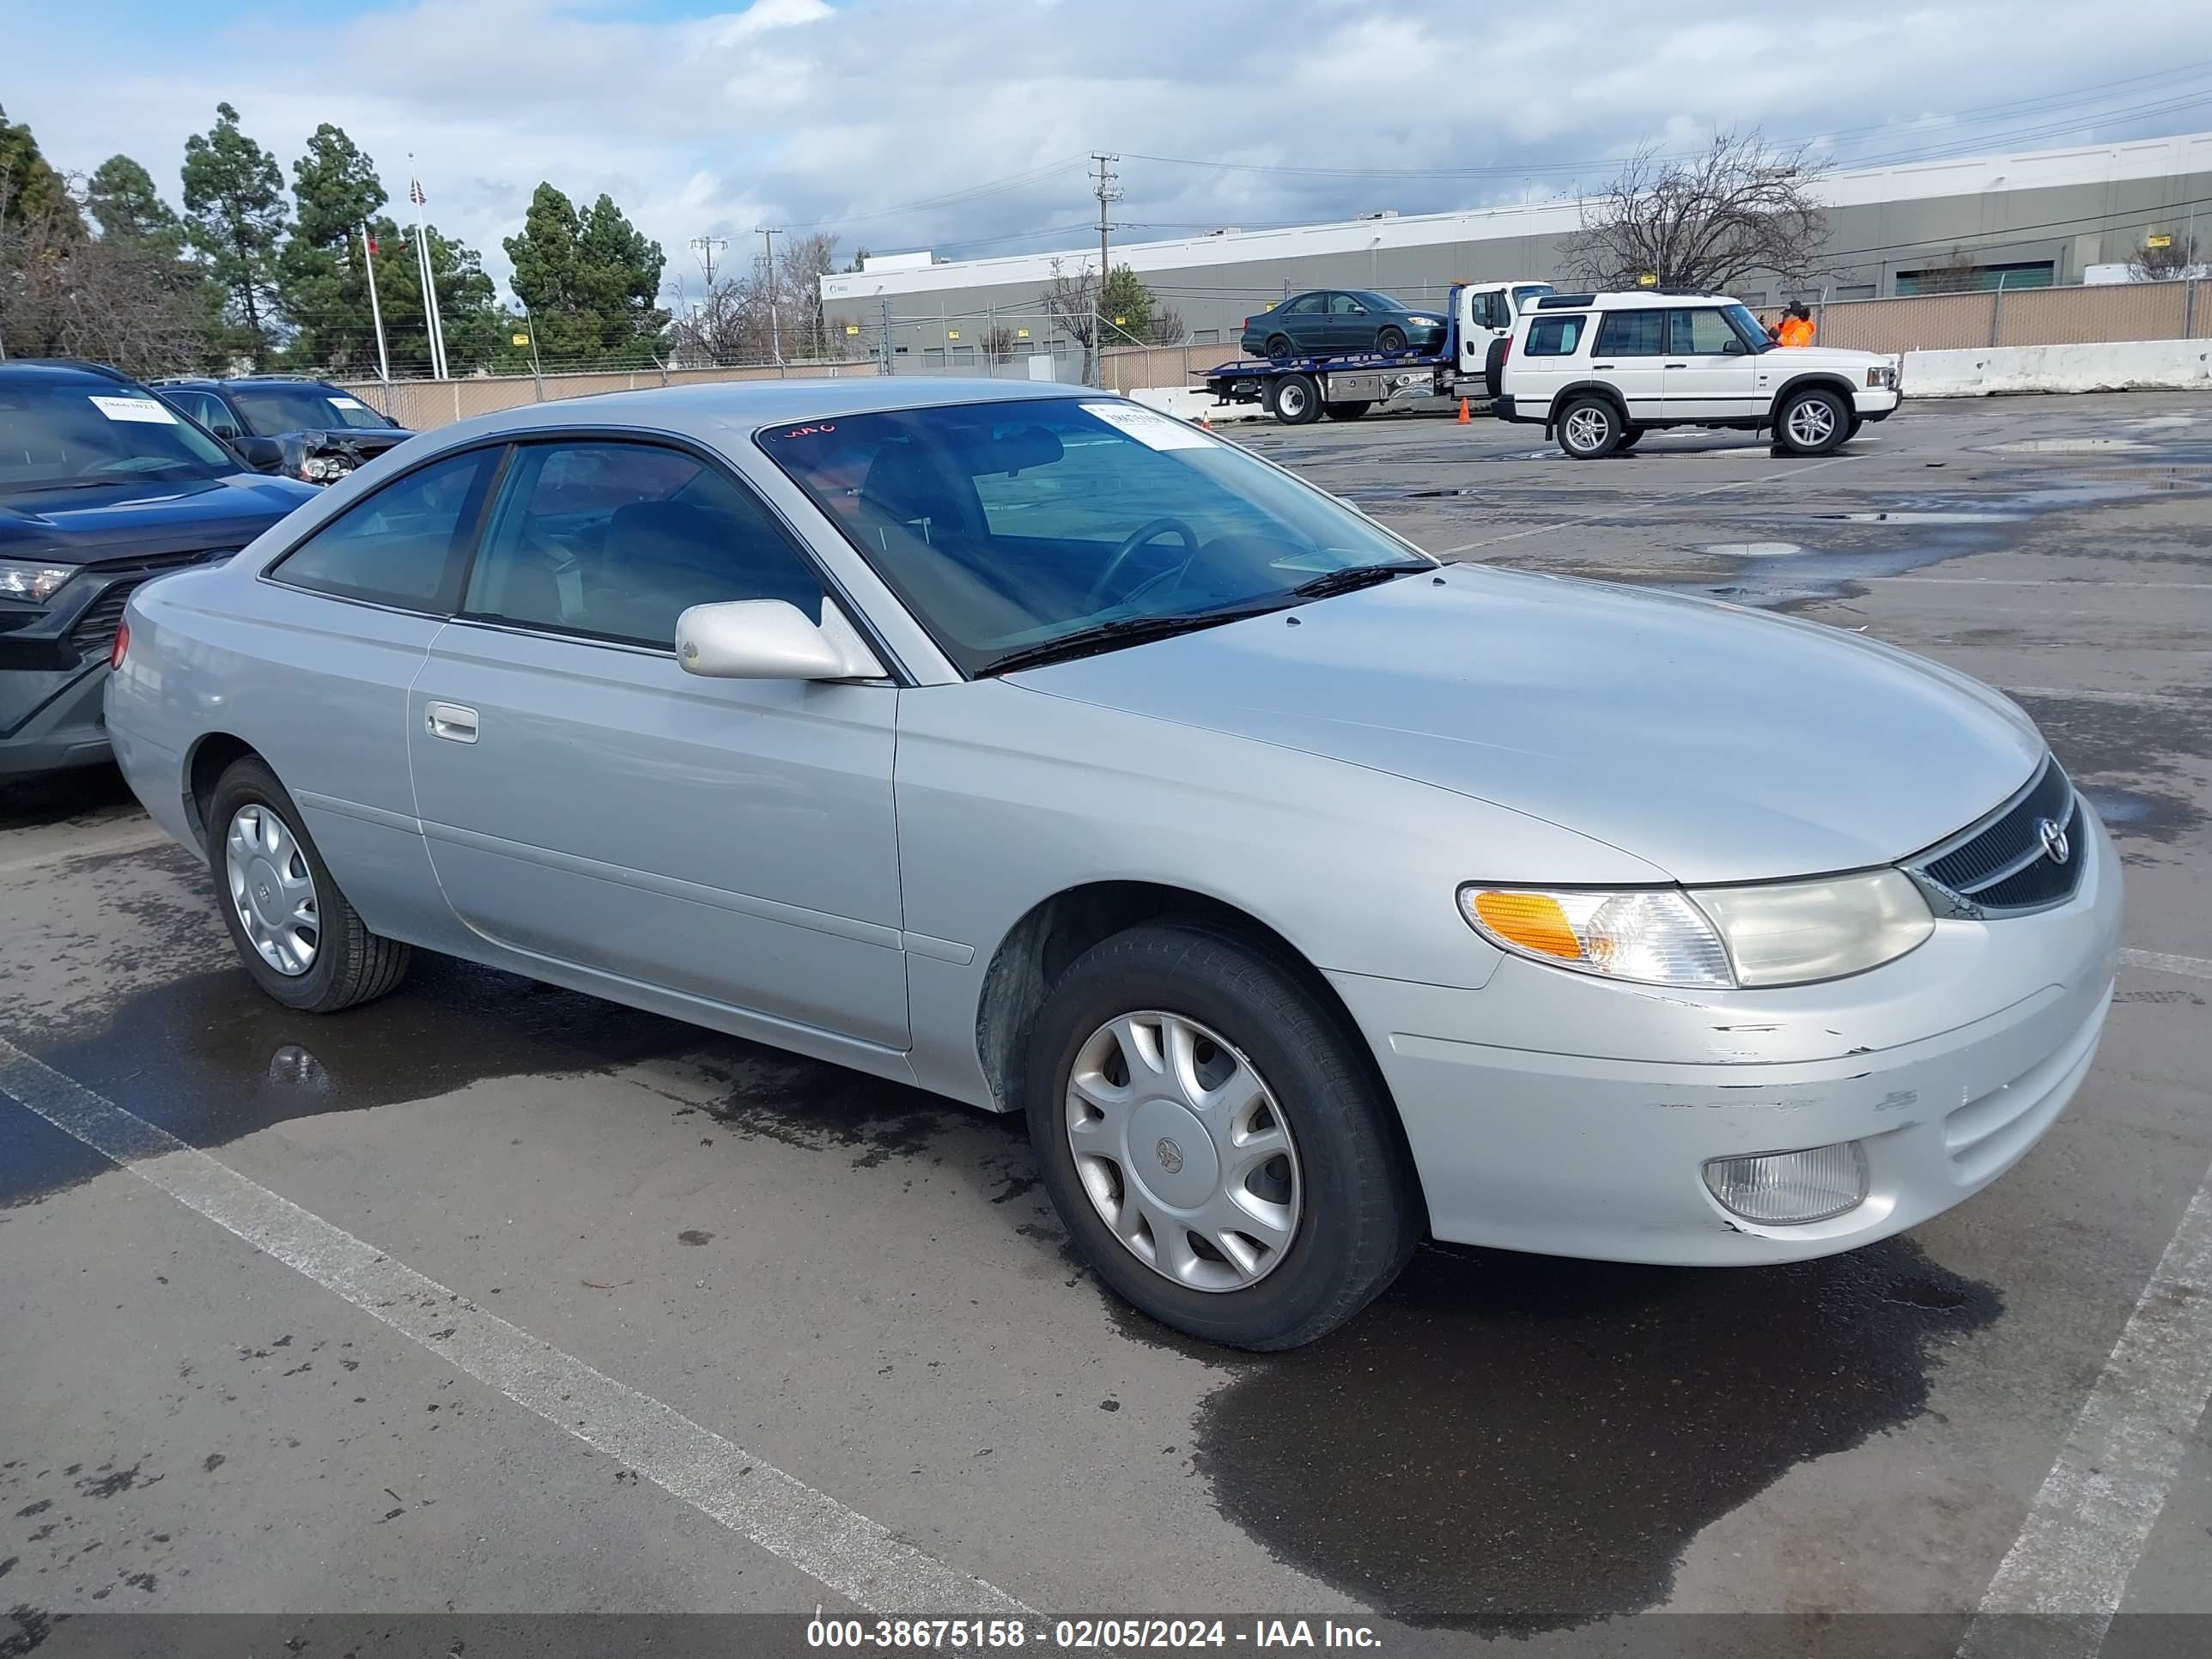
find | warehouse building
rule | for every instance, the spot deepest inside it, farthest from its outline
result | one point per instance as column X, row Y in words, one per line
column 2037, row 220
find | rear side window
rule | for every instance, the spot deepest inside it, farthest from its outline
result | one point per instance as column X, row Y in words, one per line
column 1632, row 334
column 1555, row 336
column 403, row 545
column 616, row 540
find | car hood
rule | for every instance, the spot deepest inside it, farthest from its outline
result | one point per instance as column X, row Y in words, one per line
column 1716, row 744
column 140, row 516
column 1821, row 357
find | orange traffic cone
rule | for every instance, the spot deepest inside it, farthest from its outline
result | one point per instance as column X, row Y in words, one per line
column 1204, row 425
column 1463, row 416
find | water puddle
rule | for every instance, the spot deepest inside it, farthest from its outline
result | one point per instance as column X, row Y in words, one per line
column 2068, row 446
column 1751, row 549
column 1924, row 518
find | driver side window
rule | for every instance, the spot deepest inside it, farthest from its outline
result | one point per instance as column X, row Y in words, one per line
column 402, row 546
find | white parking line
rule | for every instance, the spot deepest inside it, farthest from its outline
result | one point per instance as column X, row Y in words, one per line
column 138, row 838
column 848, row 1553
column 1657, row 501
column 2087, row 1529
column 2191, row 967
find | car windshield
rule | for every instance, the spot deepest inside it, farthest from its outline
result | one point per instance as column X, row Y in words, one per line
column 1528, row 291
column 1748, row 325
column 78, row 433
column 270, row 410
column 1007, row 526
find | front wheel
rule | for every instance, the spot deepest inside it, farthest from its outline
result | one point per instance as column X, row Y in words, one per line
column 302, row 942
column 1217, row 1144
column 1590, row 427
column 1813, row 422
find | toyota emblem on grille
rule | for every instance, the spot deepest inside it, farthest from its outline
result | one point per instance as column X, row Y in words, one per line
column 1169, row 1155
column 2056, row 847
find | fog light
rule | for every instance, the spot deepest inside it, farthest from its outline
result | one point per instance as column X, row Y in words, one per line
column 1789, row 1189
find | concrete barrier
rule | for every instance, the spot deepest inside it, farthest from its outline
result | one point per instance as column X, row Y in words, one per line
column 1188, row 402
column 2118, row 366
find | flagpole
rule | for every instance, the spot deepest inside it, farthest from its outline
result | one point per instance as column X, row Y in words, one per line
column 429, row 286
column 375, row 310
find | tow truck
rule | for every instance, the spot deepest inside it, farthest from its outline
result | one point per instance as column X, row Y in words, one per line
column 1345, row 384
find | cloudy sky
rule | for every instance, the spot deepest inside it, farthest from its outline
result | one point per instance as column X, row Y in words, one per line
column 964, row 125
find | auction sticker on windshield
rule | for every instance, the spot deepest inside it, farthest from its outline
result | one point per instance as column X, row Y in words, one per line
column 347, row 402
column 1150, row 428
column 134, row 409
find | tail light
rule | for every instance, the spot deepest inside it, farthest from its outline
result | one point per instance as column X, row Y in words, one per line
column 122, row 644
column 1247, row 322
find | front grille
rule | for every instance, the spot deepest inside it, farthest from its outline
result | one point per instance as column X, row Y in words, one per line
column 2005, row 865
column 92, row 634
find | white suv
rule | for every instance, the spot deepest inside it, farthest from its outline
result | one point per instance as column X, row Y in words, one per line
column 1600, row 370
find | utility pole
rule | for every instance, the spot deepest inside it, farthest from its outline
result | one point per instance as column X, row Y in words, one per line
column 707, row 247
column 768, row 271
column 887, row 336
column 1108, row 189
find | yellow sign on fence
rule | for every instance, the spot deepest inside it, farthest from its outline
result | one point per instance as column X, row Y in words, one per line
column 2160, row 240
column 522, row 339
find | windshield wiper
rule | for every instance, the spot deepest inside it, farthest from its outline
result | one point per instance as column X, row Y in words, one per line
column 1356, row 576
column 1122, row 630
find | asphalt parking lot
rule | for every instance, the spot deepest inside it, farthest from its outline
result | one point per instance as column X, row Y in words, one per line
column 787, row 1273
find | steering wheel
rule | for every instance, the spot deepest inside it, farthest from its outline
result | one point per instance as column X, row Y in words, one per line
column 1151, row 530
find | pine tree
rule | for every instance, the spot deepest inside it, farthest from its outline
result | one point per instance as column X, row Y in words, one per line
column 235, row 219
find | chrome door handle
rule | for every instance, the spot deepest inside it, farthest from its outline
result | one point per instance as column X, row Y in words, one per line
column 451, row 721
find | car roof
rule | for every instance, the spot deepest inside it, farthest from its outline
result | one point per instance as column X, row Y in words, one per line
column 210, row 383
column 711, row 410
column 61, row 371
column 1632, row 299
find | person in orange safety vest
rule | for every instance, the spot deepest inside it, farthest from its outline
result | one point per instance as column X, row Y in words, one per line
column 1796, row 329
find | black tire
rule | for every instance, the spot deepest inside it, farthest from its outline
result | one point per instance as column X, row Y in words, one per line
column 1493, row 365
column 352, row 965
column 1814, row 405
column 1857, row 421
column 1297, row 400
column 1629, row 439
column 1360, row 1211
column 1347, row 411
column 1392, row 338
column 1278, row 347
column 1591, row 415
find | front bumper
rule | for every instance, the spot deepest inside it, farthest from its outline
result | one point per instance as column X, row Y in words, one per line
column 65, row 727
column 1571, row 1116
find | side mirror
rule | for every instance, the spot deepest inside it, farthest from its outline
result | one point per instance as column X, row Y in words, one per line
column 771, row 640
column 1732, row 348
column 262, row 455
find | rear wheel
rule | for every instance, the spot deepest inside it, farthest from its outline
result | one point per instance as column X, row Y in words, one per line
column 1217, row 1144
column 1590, row 427
column 1390, row 339
column 1493, row 365
column 1279, row 346
column 1297, row 399
column 302, row 942
column 1347, row 411
column 1811, row 423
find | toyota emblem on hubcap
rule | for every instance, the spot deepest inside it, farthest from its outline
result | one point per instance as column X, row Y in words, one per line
column 1169, row 1155
column 2056, row 847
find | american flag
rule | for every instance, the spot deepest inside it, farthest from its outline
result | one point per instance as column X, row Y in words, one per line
column 415, row 192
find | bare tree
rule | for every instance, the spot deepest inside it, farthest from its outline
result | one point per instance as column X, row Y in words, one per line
column 804, row 261
column 1741, row 208
column 2176, row 259
column 1165, row 327
column 117, row 299
column 998, row 343
column 1072, row 302
column 1956, row 272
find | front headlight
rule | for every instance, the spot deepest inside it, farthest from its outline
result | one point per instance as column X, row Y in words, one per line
column 1778, row 933
column 1425, row 322
column 22, row 578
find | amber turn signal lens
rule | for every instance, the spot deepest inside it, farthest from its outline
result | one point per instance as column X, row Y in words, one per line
column 1533, row 921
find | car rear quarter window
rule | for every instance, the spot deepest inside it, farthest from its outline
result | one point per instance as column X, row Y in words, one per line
column 615, row 540
column 1555, row 336
column 1632, row 334
column 403, row 546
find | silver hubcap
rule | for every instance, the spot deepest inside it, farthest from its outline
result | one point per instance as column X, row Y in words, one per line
column 272, row 890
column 1291, row 400
column 1183, row 1150
column 1587, row 428
column 1811, row 423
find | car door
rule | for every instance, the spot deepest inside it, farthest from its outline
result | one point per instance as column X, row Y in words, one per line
column 1711, row 374
column 1304, row 320
column 1351, row 326
column 209, row 412
column 586, row 801
column 1628, row 356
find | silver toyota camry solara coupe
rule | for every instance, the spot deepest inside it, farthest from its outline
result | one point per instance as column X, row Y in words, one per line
column 1020, row 743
